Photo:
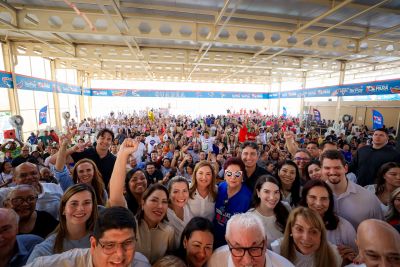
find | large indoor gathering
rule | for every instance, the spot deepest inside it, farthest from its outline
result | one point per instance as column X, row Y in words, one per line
column 199, row 133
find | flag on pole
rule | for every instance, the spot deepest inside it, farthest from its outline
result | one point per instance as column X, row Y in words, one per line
column 284, row 113
column 377, row 119
column 317, row 114
column 43, row 115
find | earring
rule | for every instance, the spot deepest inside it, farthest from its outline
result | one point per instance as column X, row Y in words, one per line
column 291, row 234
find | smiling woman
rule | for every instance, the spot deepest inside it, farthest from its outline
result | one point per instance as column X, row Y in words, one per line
column 77, row 217
column 178, row 212
column 304, row 242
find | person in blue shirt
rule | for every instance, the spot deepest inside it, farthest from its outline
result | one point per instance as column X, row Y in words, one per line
column 233, row 197
column 14, row 250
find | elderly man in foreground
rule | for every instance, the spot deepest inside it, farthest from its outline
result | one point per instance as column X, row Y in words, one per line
column 247, row 245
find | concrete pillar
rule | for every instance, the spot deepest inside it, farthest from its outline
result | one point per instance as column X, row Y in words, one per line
column 279, row 99
column 303, row 86
column 339, row 98
column 81, row 82
column 57, row 112
column 9, row 58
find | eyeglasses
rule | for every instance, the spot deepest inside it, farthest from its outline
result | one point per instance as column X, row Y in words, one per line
column 301, row 159
column 110, row 248
column 237, row 174
column 253, row 251
column 20, row 200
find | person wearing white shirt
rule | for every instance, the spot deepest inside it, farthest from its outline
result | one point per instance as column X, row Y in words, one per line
column 203, row 192
column 151, row 141
column 305, row 243
column 178, row 212
column 378, row 244
column 352, row 202
column 207, row 142
column 112, row 243
column 249, row 248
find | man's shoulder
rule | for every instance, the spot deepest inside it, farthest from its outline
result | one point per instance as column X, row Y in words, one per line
column 219, row 258
column 277, row 260
column 140, row 260
column 29, row 241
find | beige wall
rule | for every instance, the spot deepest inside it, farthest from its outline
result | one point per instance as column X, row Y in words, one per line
column 360, row 110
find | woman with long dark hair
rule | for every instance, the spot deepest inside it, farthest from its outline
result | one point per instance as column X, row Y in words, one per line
column 267, row 205
column 154, row 236
column 289, row 176
column 135, row 186
column 387, row 180
column 197, row 239
column 318, row 196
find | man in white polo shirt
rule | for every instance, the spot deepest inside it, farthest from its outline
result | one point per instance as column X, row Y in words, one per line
column 352, row 202
column 247, row 245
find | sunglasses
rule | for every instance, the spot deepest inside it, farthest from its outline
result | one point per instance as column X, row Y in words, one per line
column 237, row 174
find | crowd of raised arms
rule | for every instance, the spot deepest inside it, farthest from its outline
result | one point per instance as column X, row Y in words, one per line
column 237, row 190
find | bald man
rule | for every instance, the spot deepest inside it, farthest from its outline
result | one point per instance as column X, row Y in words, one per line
column 14, row 250
column 49, row 194
column 378, row 244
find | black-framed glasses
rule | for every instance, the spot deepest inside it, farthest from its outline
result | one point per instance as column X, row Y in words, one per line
column 237, row 174
column 20, row 200
column 111, row 247
column 253, row 251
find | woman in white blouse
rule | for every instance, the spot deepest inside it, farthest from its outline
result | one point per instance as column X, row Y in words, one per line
column 202, row 192
column 268, row 206
column 178, row 211
column 387, row 180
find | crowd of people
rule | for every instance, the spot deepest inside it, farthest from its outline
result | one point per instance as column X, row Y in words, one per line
column 235, row 190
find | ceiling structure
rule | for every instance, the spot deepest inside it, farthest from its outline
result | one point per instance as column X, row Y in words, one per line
column 232, row 41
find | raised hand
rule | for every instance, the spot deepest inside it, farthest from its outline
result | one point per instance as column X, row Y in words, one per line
column 288, row 135
column 128, row 147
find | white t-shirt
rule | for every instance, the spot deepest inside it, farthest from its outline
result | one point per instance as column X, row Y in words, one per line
column 151, row 141
column 139, row 152
column 222, row 258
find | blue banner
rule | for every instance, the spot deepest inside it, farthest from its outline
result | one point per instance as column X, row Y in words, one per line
column 389, row 88
column 377, row 119
column 43, row 115
column 317, row 114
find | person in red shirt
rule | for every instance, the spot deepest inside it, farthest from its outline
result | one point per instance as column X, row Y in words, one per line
column 54, row 136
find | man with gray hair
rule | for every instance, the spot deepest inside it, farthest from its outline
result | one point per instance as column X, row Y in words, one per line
column 247, row 245
column 14, row 250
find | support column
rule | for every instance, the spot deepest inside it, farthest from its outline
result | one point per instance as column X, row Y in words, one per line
column 9, row 66
column 81, row 83
column 279, row 99
column 90, row 106
column 303, row 86
column 339, row 98
column 56, row 100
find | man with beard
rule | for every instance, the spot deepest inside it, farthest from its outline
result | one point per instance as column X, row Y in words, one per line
column 352, row 202
column 370, row 158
